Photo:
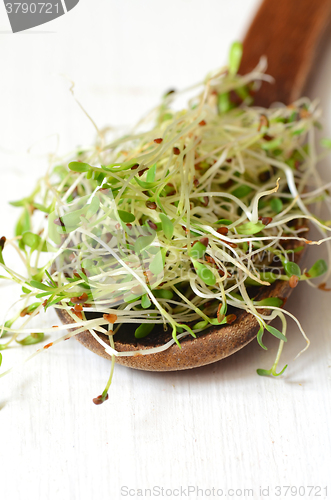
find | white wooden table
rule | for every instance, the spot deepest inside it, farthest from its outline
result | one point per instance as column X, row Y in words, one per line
column 221, row 426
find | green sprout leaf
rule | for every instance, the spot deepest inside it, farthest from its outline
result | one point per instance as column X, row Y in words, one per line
column 224, row 222
column 277, row 205
column 31, row 240
column 204, row 273
column 268, row 276
column 163, row 294
column 320, row 267
column 41, row 208
column 270, row 301
column 72, row 220
column 119, row 167
column 77, row 166
column 213, row 159
column 273, row 144
column 126, row 216
column 143, row 242
column 250, row 228
column 19, row 203
column 23, row 223
column 224, row 103
column 40, row 286
column 93, row 207
column 292, row 269
column 32, row 307
column 150, row 177
column 34, row 338
column 272, row 371
column 215, row 322
column 1, row 257
column 198, row 250
column 259, row 337
column 242, row 191
column 263, row 373
column 235, row 56
column 298, row 131
column 145, row 301
column 223, row 309
column 157, row 264
column 276, row 333
column 200, row 325
column 52, row 229
column 243, row 93
column 143, row 330
column 167, row 226
column 326, row 143
column 296, row 250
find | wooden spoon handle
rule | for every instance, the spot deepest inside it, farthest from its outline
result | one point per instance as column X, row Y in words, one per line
column 288, row 33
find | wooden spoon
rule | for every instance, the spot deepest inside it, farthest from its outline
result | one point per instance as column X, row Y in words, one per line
column 289, row 33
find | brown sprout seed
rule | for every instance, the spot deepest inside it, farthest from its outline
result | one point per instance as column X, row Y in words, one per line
column 151, row 204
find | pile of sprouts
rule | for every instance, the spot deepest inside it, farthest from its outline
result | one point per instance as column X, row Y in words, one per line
column 178, row 224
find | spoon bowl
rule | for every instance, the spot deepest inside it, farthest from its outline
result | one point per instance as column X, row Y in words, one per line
column 210, row 345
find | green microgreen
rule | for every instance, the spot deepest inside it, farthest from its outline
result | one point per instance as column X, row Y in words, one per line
column 250, row 228
column 80, row 167
column 318, row 269
column 235, row 56
column 276, row 205
column 34, row 338
column 292, row 269
column 169, row 226
column 144, row 330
